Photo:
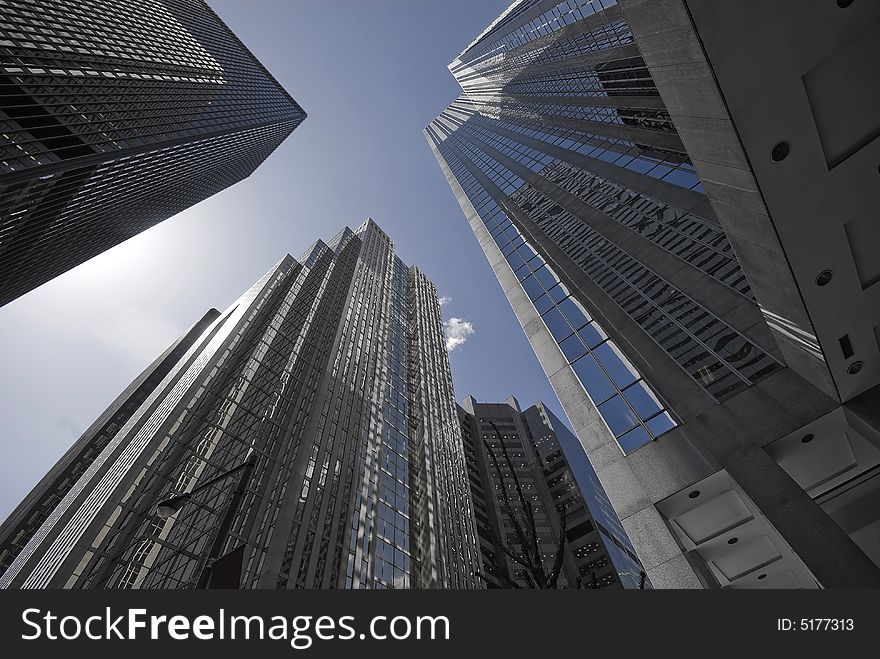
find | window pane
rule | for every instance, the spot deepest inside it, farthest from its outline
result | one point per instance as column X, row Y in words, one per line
column 546, row 277
column 556, row 324
column 640, row 165
column 572, row 348
column 593, row 378
column 660, row 424
column 515, row 261
column 526, row 252
column 618, row 415
column 633, row 439
column 558, row 292
column 643, row 400
column 543, row 303
column 592, row 335
column 682, row 178
column 616, row 364
column 574, row 312
column 532, row 288
column 659, row 171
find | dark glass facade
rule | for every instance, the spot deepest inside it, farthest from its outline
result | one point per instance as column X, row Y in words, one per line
column 330, row 374
column 115, row 116
column 554, row 475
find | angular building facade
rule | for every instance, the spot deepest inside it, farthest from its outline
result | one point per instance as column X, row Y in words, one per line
column 702, row 408
column 306, row 437
column 115, row 116
column 551, row 469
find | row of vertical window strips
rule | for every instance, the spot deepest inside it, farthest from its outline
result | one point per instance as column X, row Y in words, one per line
column 622, row 77
column 653, row 119
column 564, row 13
column 628, row 406
column 717, row 357
column 392, row 563
column 666, row 166
column 684, row 234
column 608, row 35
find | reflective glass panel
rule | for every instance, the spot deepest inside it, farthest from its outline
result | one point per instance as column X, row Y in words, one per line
column 616, row 364
column 618, row 415
column 572, row 348
column 643, row 400
column 593, row 378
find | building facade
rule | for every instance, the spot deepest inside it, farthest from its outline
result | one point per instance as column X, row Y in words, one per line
column 330, row 380
column 551, row 469
column 115, row 116
column 704, row 410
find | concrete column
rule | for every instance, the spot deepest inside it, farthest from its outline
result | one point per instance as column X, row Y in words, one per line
column 830, row 554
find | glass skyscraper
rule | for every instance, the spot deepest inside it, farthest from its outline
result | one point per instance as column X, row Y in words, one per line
column 554, row 475
column 330, row 381
column 686, row 396
column 115, row 116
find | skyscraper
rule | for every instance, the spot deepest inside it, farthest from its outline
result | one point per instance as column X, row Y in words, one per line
column 554, row 475
column 728, row 457
column 307, row 437
column 115, row 116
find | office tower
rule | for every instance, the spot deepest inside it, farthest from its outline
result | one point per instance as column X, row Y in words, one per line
column 306, row 437
column 553, row 473
column 114, row 116
column 652, row 287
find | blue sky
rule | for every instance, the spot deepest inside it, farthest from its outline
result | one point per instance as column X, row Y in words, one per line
column 371, row 74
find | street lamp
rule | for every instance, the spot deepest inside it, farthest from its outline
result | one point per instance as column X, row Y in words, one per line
column 170, row 506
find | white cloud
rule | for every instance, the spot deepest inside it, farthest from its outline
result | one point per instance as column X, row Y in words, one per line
column 445, row 300
column 457, row 332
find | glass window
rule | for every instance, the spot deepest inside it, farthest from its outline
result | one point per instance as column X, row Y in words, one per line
column 592, row 335
column 532, row 288
column 556, row 323
column 633, row 439
column 558, row 292
column 659, row 171
column 574, row 312
column 572, row 348
column 623, row 161
column 515, row 261
column 511, row 232
column 535, row 262
column 543, row 303
column 593, row 378
column 526, row 252
column 640, row 165
column 681, row 178
column 620, row 370
column 618, row 415
column 660, row 424
column 643, row 400
column 733, row 348
column 546, row 277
